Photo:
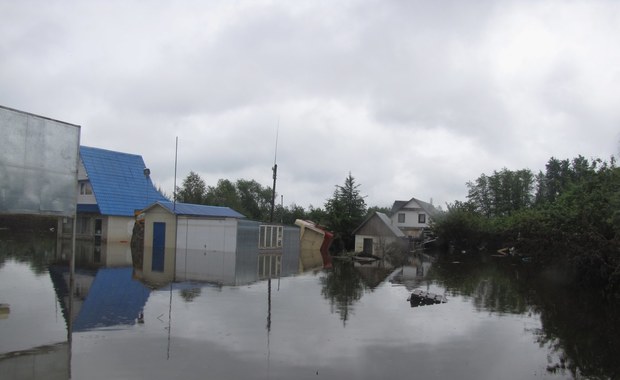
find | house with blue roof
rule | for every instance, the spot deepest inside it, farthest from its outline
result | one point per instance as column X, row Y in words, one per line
column 215, row 244
column 112, row 186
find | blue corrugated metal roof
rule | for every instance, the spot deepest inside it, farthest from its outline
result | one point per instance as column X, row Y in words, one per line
column 118, row 181
column 189, row 209
column 114, row 299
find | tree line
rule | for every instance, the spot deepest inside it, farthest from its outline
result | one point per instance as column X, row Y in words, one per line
column 568, row 215
column 340, row 214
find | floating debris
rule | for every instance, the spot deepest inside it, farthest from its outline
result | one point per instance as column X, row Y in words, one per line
column 5, row 310
column 421, row 298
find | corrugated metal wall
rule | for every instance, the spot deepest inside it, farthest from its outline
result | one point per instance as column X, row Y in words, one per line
column 247, row 268
column 38, row 164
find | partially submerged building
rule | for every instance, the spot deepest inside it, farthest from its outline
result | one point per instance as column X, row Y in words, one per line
column 375, row 235
column 407, row 225
column 413, row 217
column 216, row 244
column 112, row 186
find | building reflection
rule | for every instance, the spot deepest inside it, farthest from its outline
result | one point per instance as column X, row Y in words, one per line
column 415, row 274
column 94, row 254
column 33, row 345
column 45, row 362
column 106, row 292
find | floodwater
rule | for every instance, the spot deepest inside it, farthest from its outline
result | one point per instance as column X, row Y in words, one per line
column 502, row 320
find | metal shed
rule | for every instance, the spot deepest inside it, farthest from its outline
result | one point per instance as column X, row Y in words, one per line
column 215, row 244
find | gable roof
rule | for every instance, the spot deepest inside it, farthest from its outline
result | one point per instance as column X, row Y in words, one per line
column 427, row 207
column 189, row 209
column 385, row 220
column 114, row 298
column 118, row 181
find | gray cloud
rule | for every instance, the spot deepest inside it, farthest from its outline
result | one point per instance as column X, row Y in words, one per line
column 413, row 98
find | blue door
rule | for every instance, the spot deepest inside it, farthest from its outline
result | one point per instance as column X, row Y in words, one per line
column 159, row 246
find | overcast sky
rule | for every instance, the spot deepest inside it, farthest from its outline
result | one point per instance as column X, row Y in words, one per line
column 413, row 98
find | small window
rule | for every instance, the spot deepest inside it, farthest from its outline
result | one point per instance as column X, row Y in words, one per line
column 401, row 218
column 270, row 236
column 269, row 265
column 85, row 188
column 421, row 218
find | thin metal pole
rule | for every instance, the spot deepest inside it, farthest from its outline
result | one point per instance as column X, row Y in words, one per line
column 174, row 191
column 275, row 174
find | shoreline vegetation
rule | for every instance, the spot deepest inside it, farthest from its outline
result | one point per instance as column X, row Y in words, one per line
column 567, row 217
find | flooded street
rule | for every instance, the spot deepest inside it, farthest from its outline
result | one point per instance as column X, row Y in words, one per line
column 344, row 322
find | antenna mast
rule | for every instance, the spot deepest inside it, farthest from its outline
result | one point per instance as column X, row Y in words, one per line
column 275, row 174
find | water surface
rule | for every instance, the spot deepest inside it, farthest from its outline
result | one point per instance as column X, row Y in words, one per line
column 501, row 321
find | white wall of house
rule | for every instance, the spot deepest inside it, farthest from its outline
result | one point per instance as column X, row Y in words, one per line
column 411, row 217
column 379, row 243
column 116, row 254
column 117, row 229
column 206, row 249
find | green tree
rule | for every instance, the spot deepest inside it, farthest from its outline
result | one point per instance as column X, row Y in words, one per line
column 254, row 199
column 501, row 193
column 288, row 214
column 574, row 220
column 248, row 197
column 193, row 190
column 317, row 215
column 223, row 194
column 345, row 211
column 383, row 210
column 343, row 287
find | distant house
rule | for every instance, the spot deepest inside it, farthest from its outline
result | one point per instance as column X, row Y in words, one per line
column 412, row 217
column 215, row 244
column 375, row 234
column 111, row 187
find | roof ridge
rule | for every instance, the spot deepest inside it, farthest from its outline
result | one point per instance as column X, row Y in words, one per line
column 109, row 151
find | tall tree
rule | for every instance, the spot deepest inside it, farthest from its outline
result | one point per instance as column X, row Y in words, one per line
column 501, row 193
column 193, row 190
column 223, row 194
column 345, row 211
column 254, row 198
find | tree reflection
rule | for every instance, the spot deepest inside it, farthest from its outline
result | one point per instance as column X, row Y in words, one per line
column 36, row 249
column 580, row 328
column 190, row 294
column 342, row 286
column 491, row 285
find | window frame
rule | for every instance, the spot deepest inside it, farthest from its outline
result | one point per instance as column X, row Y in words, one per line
column 270, row 236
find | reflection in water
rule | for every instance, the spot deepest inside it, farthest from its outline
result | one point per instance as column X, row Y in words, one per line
column 348, row 321
column 189, row 294
column 342, row 286
column 33, row 343
column 581, row 329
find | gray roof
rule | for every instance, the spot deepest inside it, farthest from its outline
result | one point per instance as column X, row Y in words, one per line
column 386, row 220
column 427, row 207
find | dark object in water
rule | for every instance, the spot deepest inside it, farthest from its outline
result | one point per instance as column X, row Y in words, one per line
column 5, row 310
column 421, row 298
